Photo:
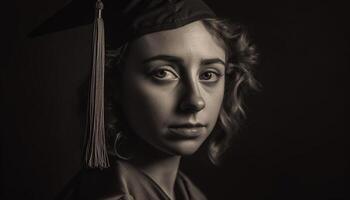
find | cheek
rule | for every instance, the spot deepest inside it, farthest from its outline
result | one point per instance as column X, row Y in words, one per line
column 147, row 106
column 214, row 98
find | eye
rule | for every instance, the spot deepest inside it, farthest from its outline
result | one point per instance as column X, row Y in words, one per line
column 210, row 76
column 164, row 74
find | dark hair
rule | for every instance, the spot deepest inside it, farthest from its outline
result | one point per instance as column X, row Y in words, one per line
column 241, row 57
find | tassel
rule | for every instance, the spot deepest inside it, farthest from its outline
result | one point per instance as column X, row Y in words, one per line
column 96, row 152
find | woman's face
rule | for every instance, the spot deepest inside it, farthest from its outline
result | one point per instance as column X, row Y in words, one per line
column 172, row 87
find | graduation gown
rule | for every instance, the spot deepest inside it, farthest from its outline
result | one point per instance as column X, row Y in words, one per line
column 122, row 181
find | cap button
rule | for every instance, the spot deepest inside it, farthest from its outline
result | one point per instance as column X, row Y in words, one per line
column 99, row 5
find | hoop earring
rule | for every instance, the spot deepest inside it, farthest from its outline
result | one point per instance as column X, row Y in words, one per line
column 117, row 142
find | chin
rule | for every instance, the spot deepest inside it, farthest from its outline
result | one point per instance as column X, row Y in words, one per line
column 182, row 148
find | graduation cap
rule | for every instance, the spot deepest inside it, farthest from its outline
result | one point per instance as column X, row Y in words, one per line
column 119, row 21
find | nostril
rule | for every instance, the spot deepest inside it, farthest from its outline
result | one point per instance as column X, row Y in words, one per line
column 193, row 104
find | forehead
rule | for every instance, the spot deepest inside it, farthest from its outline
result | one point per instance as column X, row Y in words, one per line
column 190, row 40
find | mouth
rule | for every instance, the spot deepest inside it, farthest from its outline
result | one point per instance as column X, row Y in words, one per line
column 187, row 131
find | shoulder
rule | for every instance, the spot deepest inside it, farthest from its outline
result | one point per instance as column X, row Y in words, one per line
column 96, row 184
column 193, row 191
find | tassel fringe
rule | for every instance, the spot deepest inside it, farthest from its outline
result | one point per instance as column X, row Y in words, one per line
column 96, row 152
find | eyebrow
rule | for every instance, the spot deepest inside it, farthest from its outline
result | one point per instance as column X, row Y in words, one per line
column 178, row 60
column 212, row 61
column 168, row 58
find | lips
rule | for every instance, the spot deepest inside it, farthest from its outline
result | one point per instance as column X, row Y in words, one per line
column 186, row 131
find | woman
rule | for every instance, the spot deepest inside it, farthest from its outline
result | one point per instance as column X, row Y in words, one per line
column 177, row 79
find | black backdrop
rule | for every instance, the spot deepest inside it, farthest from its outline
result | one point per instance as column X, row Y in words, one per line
column 293, row 145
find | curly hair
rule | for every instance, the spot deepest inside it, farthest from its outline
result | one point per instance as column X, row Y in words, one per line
column 241, row 58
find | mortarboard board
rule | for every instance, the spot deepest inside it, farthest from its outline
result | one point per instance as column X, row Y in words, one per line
column 126, row 19
column 120, row 21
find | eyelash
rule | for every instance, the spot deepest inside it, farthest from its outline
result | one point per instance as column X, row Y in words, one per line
column 155, row 74
column 218, row 76
column 169, row 72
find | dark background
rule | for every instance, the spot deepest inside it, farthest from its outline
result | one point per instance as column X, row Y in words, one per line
column 293, row 145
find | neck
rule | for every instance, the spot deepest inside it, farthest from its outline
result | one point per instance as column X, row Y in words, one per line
column 159, row 166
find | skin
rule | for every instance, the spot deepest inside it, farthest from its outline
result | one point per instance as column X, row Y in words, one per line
column 172, row 78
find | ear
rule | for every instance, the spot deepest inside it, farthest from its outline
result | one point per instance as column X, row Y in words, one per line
column 115, row 94
column 229, row 68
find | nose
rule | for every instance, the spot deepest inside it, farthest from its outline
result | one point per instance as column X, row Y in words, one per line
column 192, row 100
